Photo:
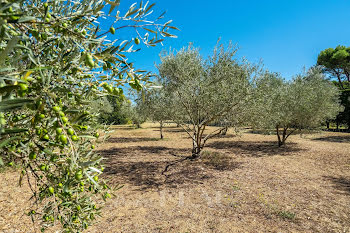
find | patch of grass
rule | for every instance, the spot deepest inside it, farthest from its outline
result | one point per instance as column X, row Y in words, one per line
column 285, row 214
column 275, row 209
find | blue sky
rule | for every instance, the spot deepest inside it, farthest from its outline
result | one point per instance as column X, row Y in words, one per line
column 286, row 34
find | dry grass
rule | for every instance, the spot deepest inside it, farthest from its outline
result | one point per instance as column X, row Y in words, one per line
column 242, row 184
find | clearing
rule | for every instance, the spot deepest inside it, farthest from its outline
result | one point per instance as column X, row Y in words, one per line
column 243, row 183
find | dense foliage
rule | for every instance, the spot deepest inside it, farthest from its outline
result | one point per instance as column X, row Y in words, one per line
column 114, row 110
column 55, row 61
column 200, row 92
column 336, row 62
column 303, row 103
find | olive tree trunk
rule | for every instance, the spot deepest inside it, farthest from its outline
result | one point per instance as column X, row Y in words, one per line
column 161, row 129
column 282, row 138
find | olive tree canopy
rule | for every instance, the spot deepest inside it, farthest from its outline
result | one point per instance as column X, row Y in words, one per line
column 203, row 91
column 303, row 103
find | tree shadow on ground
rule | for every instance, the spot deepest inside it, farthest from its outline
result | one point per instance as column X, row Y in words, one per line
column 127, row 128
column 141, row 151
column 345, row 138
column 174, row 130
column 142, row 167
column 131, row 139
column 226, row 136
column 256, row 149
column 341, row 184
column 262, row 132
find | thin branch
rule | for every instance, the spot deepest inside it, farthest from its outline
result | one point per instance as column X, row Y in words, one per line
column 218, row 131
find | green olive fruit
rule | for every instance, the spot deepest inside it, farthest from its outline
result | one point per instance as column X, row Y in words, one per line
column 23, row 87
column 46, row 137
column 64, row 25
column 47, row 20
column 42, row 167
column 137, row 41
column 56, row 108
column 92, row 146
column 108, row 88
column 41, row 116
column 10, row 9
column 97, row 135
column 75, row 138
column 61, row 114
column 64, row 119
column 59, row 130
column 112, row 30
column 38, row 132
column 60, row 185
column 51, row 190
column 32, row 155
column 83, row 32
column 45, row 5
column 96, row 178
column 90, row 61
column 63, row 139
column 78, row 207
column 10, row 164
column 79, row 175
column 70, row 131
column 116, row 91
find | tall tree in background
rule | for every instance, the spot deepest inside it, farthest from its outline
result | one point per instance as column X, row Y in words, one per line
column 336, row 62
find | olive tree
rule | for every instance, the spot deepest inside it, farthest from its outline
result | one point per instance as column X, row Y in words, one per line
column 203, row 91
column 286, row 106
column 55, row 60
column 156, row 106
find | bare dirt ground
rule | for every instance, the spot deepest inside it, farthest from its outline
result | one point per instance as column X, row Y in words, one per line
column 245, row 184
